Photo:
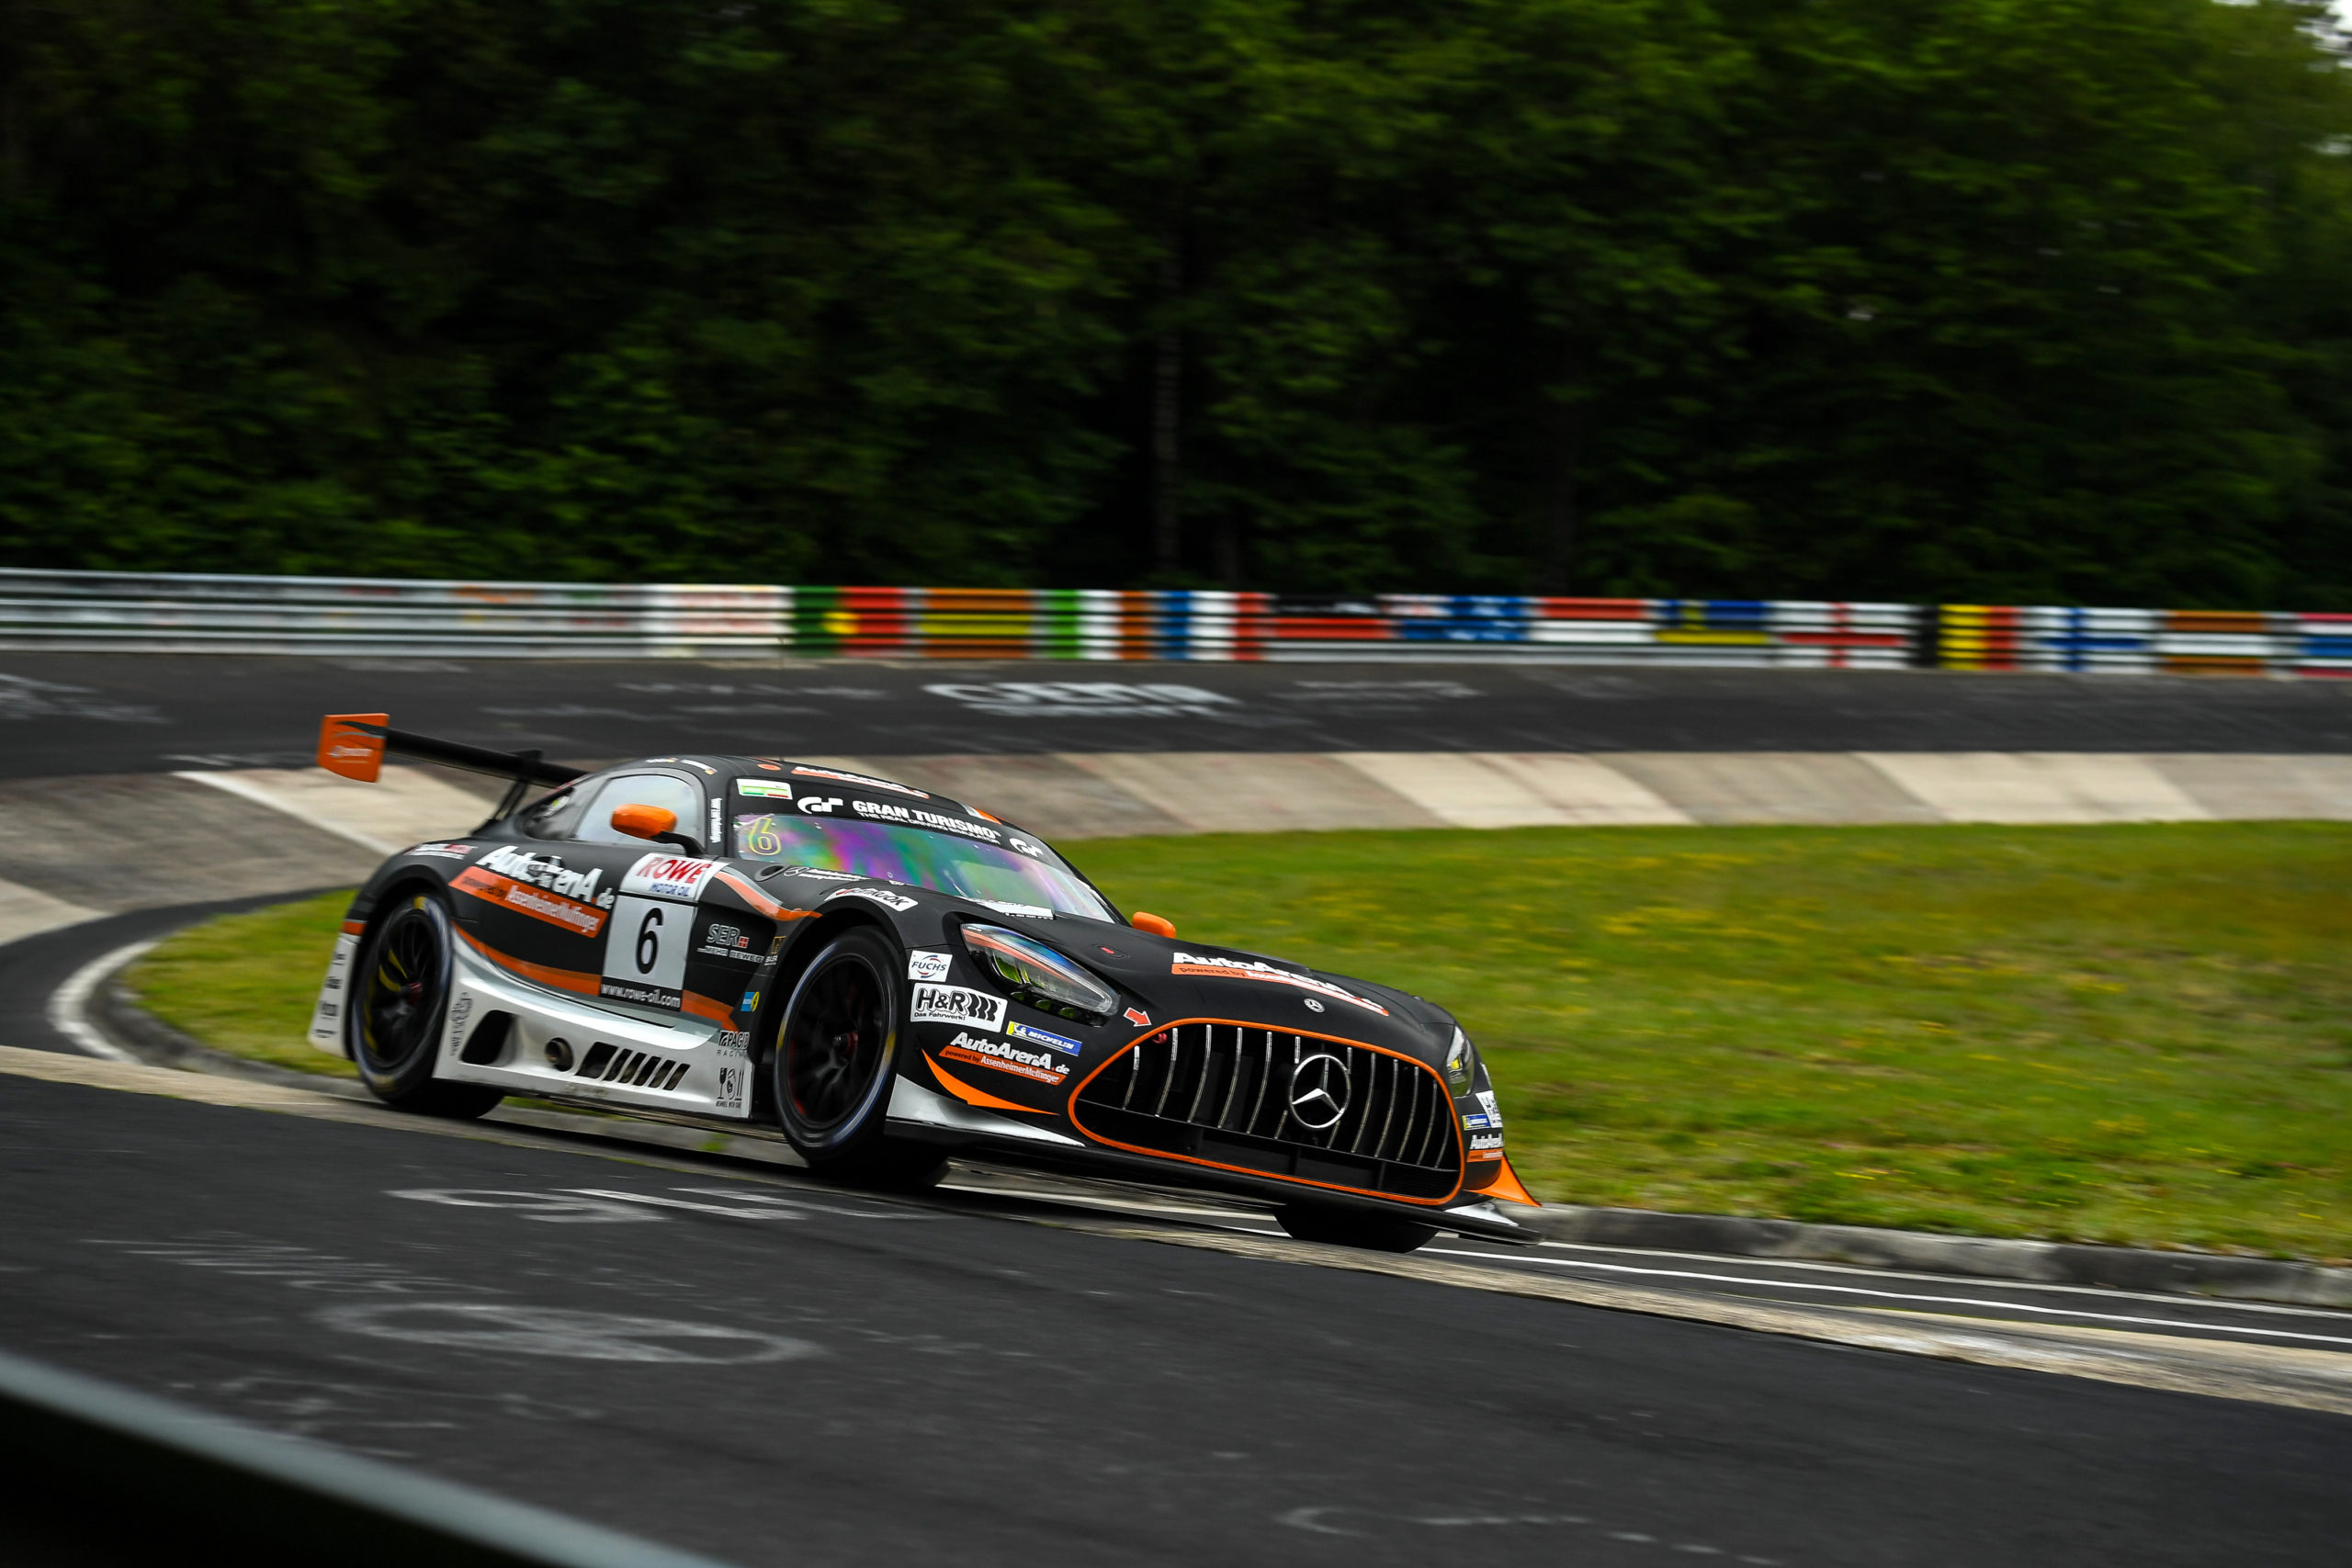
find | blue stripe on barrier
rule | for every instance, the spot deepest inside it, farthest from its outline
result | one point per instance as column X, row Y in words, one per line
column 1715, row 615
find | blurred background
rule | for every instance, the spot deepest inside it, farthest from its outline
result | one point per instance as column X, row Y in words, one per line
column 1964, row 301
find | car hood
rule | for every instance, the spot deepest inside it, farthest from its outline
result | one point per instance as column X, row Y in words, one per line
column 1182, row 980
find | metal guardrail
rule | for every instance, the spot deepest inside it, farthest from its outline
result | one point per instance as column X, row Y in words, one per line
column 103, row 1474
column 161, row 613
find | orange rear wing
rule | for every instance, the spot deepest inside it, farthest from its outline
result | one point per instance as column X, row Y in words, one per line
column 353, row 745
column 350, row 751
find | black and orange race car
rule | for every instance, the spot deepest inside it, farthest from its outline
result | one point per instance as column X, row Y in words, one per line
column 888, row 976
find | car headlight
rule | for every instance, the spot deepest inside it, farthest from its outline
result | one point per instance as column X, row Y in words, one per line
column 1037, row 975
column 1461, row 1063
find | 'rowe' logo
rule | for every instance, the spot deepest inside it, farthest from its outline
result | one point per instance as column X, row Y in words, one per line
column 668, row 876
column 542, row 871
column 958, row 1004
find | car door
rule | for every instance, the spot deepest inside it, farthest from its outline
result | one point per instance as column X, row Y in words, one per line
column 649, row 935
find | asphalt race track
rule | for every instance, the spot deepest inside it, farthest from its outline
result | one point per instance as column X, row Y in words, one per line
column 716, row 1354
column 81, row 714
column 771, row 1372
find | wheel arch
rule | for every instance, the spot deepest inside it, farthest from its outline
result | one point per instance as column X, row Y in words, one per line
column 813, row 938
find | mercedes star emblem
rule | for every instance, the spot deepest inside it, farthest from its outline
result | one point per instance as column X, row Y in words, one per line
column 1319, row 1092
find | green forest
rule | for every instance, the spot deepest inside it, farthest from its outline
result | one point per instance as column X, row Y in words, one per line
column 1959, row 301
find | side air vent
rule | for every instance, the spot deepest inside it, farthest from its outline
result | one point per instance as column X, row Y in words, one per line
column 1281, row 1104
column 639, row 1070
column 487, row 1041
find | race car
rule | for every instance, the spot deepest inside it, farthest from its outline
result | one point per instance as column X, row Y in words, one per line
column 888, row 976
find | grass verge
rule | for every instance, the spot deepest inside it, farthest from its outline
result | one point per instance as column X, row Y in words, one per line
column 2139, row 1035
column 245, row 984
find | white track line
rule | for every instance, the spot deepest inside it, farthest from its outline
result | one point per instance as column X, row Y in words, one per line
column 229, row 783
column 1822, row 1265
column 2171, row 1322
column 69, row 1004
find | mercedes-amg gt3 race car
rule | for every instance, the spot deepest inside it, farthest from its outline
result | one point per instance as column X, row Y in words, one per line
column 888, row 976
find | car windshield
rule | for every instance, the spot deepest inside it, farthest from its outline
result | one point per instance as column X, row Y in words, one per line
column 917, row 857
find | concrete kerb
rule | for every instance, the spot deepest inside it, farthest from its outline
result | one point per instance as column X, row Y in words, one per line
column 111, row 1010
column 1986, row 1257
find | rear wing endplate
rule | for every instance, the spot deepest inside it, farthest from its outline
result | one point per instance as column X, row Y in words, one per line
column 353, row 745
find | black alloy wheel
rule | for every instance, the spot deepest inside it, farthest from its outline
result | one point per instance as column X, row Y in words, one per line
column 399, row 994
column 1352, row 1228
column 832, row 1065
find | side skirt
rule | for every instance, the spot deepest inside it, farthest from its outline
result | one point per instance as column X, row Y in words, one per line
column 510, row 1034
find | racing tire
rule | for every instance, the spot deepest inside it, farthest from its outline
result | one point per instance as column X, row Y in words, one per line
column 1349, row 1227
column 398, row 997
column 836, row 1053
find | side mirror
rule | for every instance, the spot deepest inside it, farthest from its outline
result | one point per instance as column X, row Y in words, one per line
column 1155, row 924
column 658, row 823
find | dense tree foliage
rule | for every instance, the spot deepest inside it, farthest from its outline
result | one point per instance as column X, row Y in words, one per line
column 1956, row 299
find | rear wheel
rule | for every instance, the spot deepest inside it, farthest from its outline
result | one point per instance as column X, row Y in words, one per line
column 833, row 1063
column 400, row 995
column 1350, row 1228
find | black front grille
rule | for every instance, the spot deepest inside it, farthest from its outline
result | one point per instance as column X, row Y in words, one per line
column 1221, row 1092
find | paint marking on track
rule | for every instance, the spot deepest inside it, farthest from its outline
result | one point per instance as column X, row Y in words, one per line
column 736, row 1211
column 2171, row 1322
column 505, row 1330
column 71, row 1001
column 2306, row 1378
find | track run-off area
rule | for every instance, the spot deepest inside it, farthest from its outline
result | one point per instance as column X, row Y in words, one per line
column 679, row 1334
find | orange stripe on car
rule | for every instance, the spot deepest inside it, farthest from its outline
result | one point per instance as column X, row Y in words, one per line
column 971, row 1096
column 710, row 1007
column 566, row 914
column 740, row 886
column 562, row 980
column 1506, row 1184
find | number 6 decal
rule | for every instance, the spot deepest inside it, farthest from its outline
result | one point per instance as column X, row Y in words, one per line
column 649, row 941
column 641, row 964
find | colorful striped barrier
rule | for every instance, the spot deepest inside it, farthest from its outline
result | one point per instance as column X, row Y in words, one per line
column 128, row 611
column 2172, row 642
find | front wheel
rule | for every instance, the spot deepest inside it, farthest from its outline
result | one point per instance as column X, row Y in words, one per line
column 1350, row 1228
column 834, row 1061
column 399, row 996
